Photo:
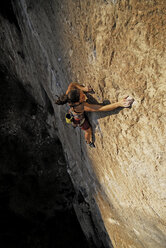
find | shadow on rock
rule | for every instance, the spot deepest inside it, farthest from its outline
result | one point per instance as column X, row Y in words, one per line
column 94, row 116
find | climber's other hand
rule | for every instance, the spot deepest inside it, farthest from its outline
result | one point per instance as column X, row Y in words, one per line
column 89, row 89
column 126, row 102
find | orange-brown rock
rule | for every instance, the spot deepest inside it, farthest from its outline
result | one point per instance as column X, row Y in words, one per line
column 118, row 47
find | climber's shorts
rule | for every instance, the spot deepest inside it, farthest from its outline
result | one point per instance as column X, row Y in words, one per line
column 86, row 125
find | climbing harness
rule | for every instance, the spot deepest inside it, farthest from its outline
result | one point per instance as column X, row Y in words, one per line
column 75, row 117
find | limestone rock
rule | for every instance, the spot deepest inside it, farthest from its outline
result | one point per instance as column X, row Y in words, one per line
column 118, row 47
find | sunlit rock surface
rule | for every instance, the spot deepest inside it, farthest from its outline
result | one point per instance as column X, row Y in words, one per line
column 118, row 47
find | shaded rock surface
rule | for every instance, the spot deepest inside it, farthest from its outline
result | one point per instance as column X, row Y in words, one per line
column 119, row 48
column 36, row 192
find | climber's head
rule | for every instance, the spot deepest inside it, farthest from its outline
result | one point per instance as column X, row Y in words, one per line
column 74, row 96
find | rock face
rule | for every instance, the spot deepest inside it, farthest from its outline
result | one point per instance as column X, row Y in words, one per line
column 36, row 192
column 119, row 48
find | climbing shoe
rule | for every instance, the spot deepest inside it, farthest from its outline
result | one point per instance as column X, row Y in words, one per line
column 92, row 145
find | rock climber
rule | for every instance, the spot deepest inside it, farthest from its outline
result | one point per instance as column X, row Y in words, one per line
column 76, row 100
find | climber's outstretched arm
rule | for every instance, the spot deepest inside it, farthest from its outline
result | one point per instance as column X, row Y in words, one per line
column 125, row 102
column 100, row 108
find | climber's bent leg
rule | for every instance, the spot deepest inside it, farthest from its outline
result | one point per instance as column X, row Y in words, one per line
column 86, row 127
column 88, row 135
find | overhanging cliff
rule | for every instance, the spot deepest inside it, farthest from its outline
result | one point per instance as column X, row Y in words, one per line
column 118, row 47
